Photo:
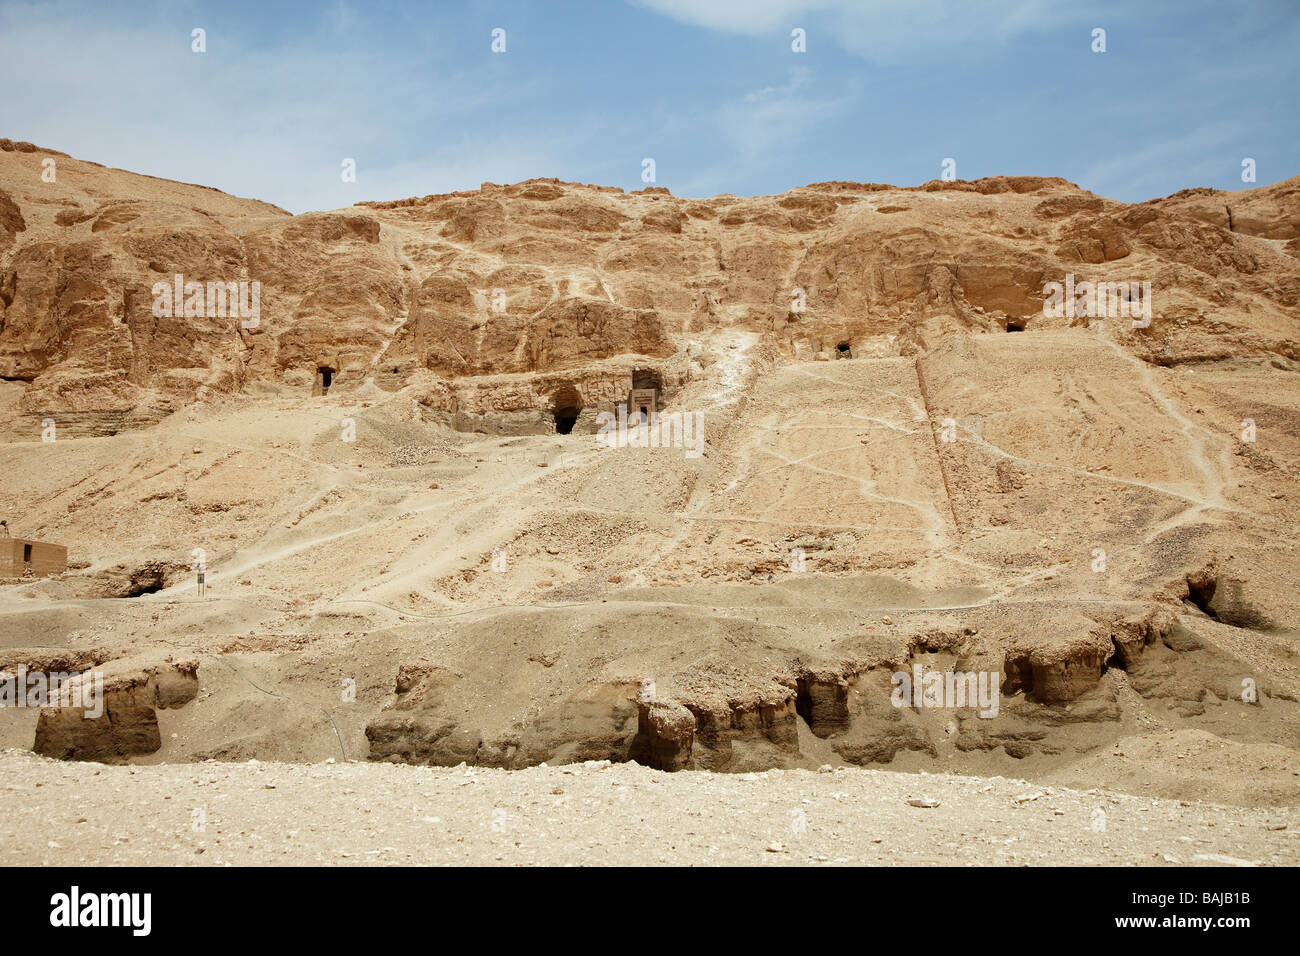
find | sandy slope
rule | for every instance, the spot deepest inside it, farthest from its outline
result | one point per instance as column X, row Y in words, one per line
column 332, row 561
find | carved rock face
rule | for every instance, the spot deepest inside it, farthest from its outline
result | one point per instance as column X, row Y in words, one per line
column 547, row 276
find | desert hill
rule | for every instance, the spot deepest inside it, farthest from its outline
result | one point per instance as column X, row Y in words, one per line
column 417, row 550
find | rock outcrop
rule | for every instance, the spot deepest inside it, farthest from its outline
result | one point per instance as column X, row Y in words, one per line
column 124, row 723
column 449, row 292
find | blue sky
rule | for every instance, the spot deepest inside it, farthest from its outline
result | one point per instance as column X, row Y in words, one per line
column 709, row 88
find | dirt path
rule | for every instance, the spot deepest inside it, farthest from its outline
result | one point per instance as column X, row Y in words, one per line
column 1213, row 479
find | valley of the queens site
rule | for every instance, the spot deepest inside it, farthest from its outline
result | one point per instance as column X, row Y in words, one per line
column 679, row 433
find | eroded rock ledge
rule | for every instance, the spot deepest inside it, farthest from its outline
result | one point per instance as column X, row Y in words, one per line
column 133, row 691
column 1059, row 689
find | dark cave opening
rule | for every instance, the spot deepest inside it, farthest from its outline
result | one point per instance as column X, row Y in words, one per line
column 565, row 418
column 1201, row 595
column 566, row 406
column 145, row 581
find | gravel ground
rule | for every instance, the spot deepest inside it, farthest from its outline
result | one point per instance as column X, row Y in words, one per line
column 56, row 813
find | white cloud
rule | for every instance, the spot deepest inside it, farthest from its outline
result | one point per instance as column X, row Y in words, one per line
column 883, row 31
column 272, row 123
column 735, row 16
column 761, row 130
column 775, row 115
column 1201, row 155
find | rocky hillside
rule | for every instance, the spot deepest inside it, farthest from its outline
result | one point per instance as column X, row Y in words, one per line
column 492, row 302
column 411, row 558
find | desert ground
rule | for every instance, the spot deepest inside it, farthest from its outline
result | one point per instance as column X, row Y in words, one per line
column 597, row 813
column 428, row 573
